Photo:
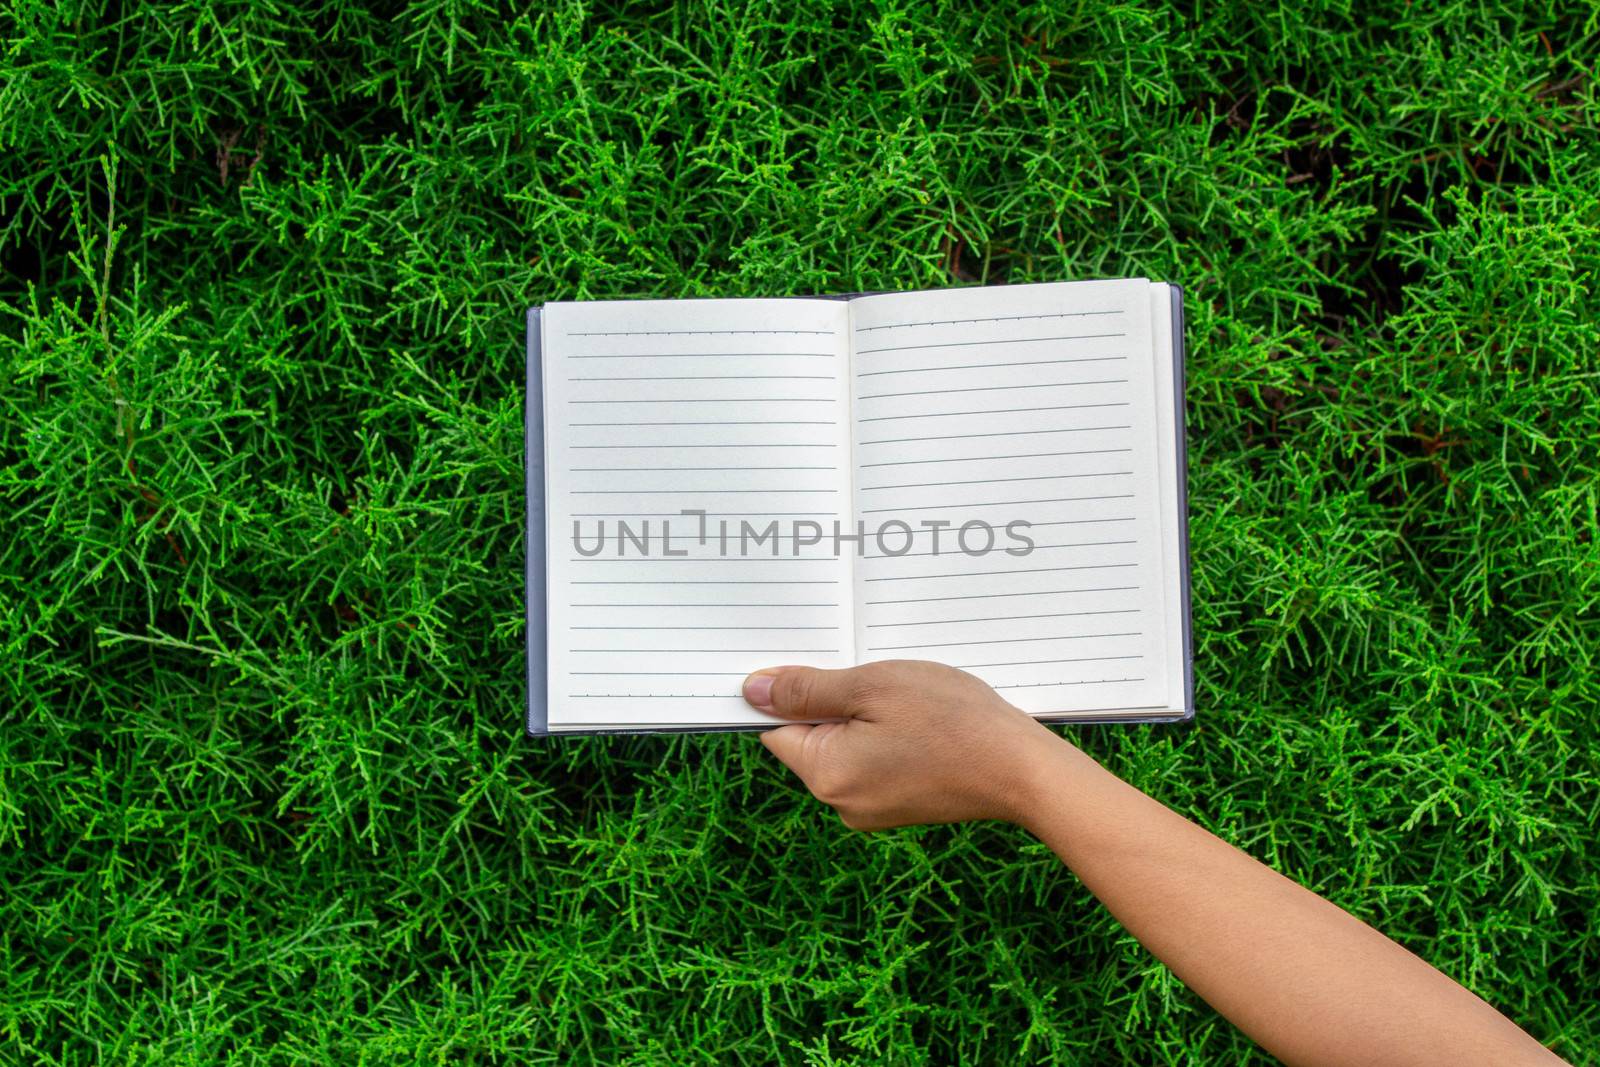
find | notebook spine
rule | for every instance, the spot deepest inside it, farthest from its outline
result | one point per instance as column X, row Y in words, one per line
column 537, row 644
column 1181, row 440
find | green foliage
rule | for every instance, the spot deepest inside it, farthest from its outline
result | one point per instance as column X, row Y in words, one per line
column 263, row 794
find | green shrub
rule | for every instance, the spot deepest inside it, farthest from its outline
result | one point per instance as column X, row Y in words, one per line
column 263, row 793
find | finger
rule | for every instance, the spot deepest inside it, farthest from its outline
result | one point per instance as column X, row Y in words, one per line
column 788, row 743
column 802, row 692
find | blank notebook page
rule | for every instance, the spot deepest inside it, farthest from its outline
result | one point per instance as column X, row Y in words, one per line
column 736, row 407
column 1028, row 402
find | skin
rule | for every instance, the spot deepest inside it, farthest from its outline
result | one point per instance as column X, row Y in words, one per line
column 916, row 742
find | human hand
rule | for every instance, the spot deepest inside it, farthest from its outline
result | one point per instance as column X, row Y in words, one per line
column 917, row 742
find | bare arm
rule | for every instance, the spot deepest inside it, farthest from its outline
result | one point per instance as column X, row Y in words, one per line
column 924, row 743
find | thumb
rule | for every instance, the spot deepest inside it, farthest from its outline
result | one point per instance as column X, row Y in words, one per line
column 802, row 692
column 788, row 743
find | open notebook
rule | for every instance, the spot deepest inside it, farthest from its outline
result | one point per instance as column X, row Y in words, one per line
column 988, row 477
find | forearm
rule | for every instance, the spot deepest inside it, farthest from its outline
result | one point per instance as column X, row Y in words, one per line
column 1307, row 980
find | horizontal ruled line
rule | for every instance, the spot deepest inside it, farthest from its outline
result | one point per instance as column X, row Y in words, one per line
column 991, row 618
column 977, row 459
column 1036, row 548
column 995, row 341
column 992, row 388
column 969, row 436
column 1000, row 503
column 994, row 318
column 731, row 651
column 723, row 400
column 950, row 530
column 987, row 366
column 714, row 581
column 620, row 470
column 1014, row 570
column 1037, row 662
column 665, row 674
column 709, row 378
column 1048, row 685
column 997, row 641
column 1077, row 522
column 996, row 481
column 687, row 333
column 669, row 444
column 693, row 492
column 995, row 596
column 994, row 411
column 680, row 604
column 700, row 355
column 654, row 696
column 696, row 628
column 747, row 422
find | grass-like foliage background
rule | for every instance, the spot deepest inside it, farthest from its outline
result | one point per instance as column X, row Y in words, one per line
column 264, row 795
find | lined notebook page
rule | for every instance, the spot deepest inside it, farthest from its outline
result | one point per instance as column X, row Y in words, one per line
column 1030, row 403
column 738, row 408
